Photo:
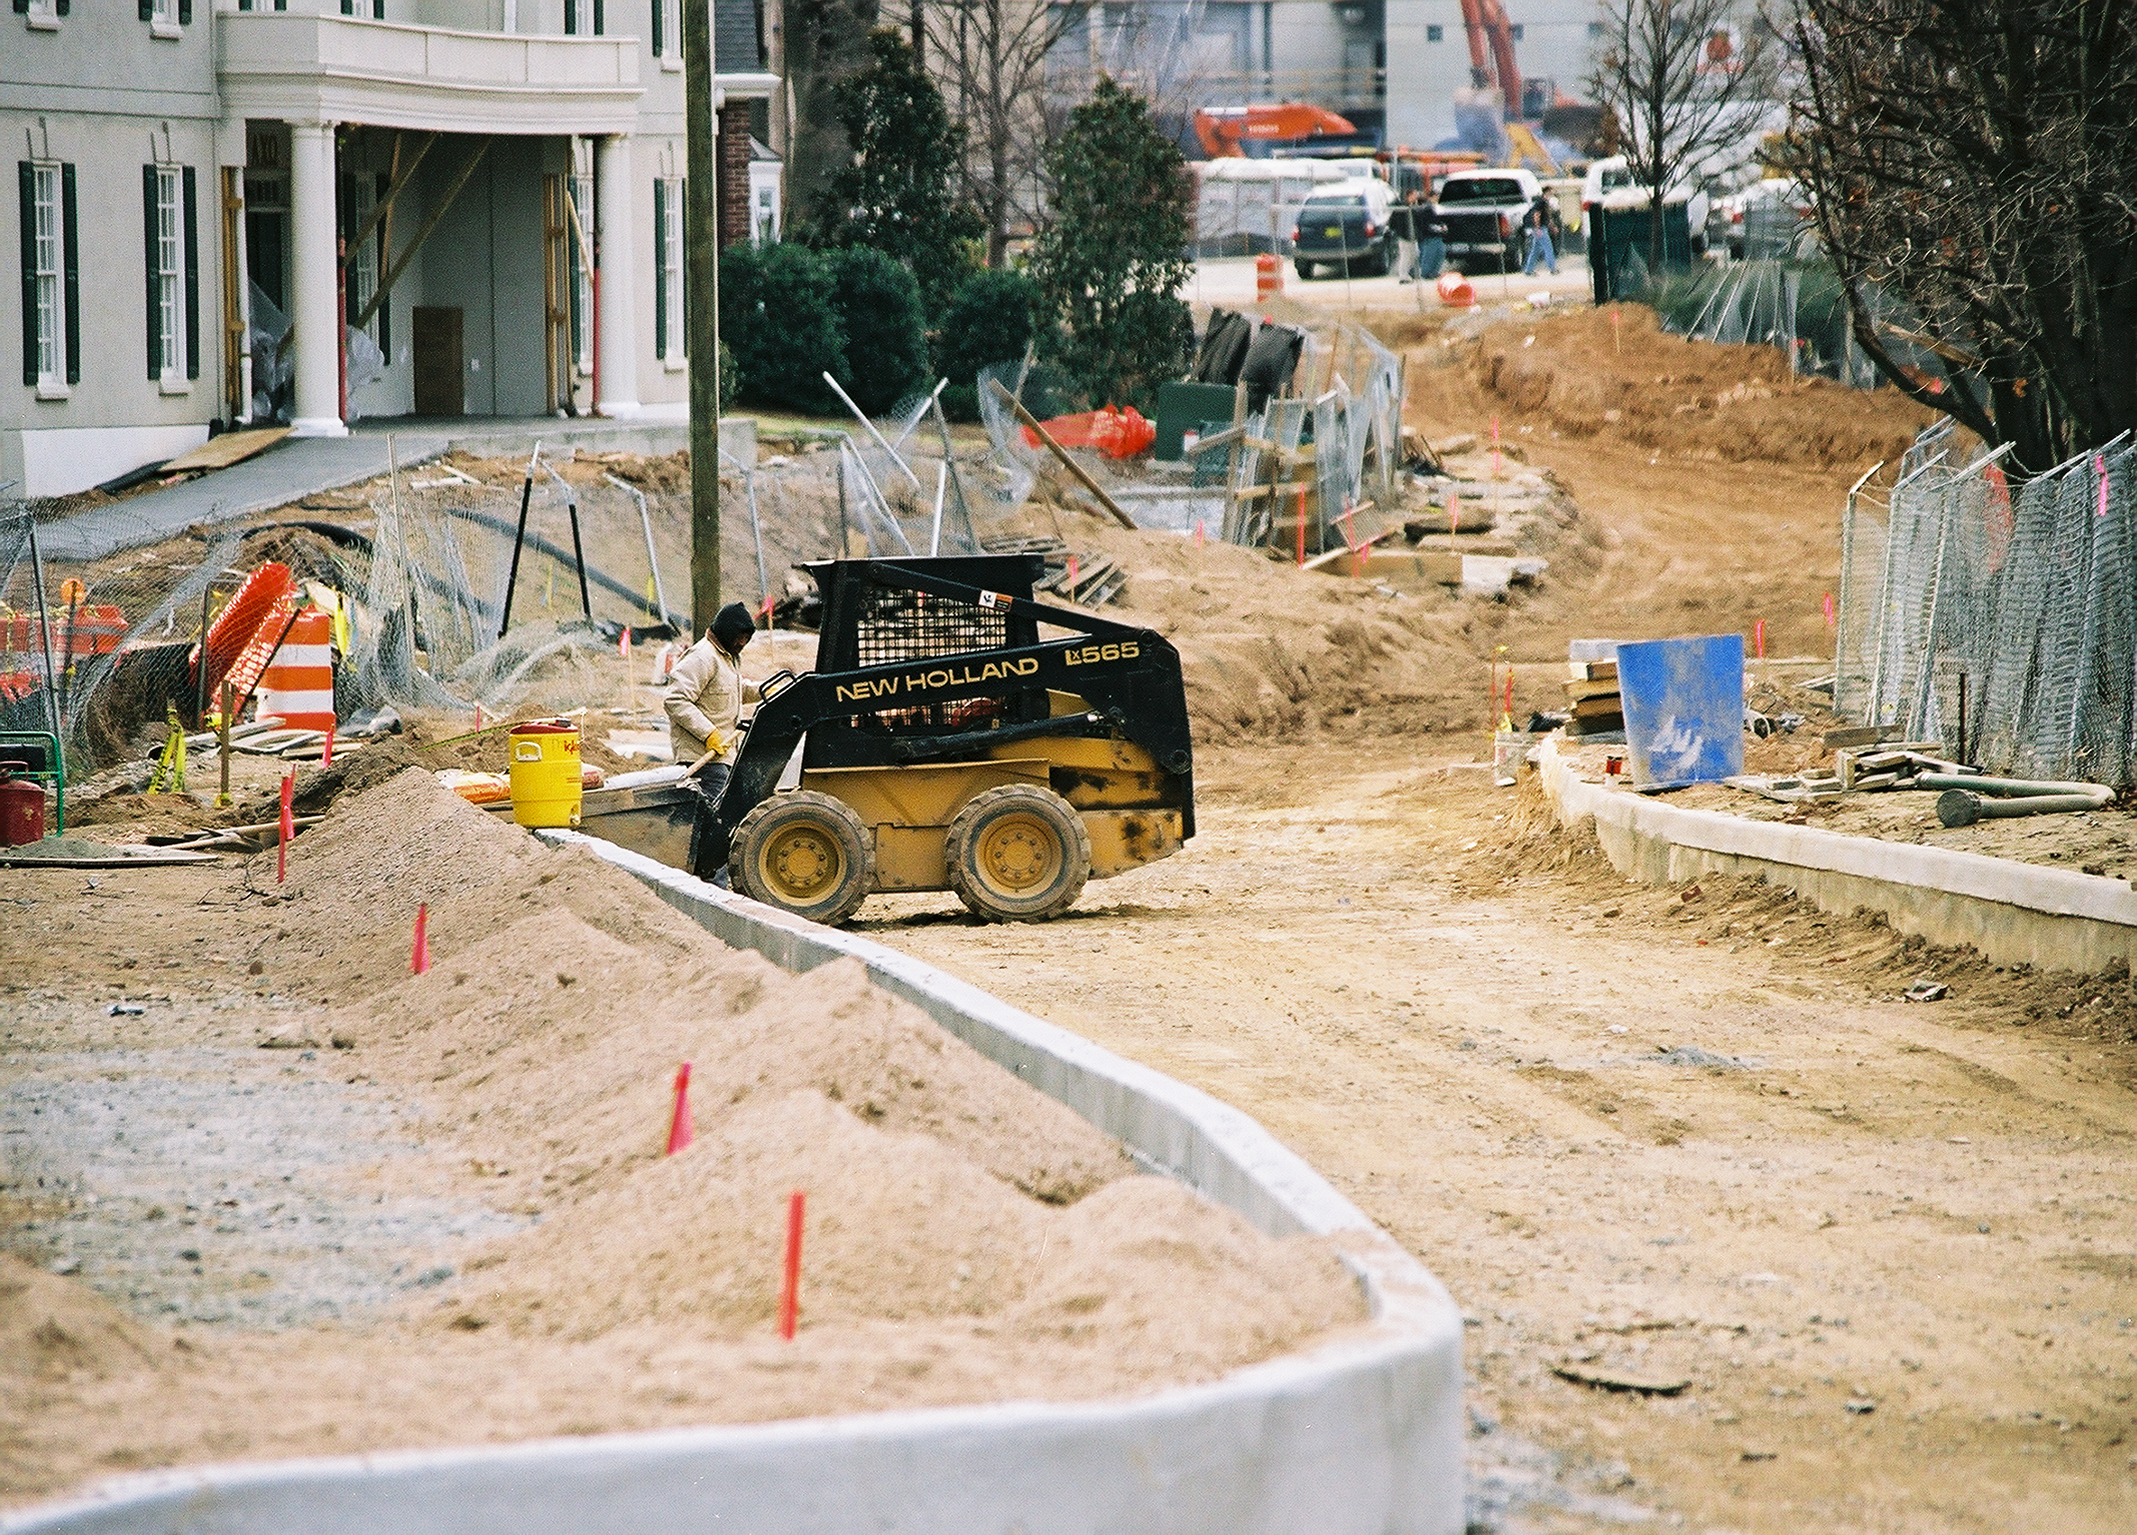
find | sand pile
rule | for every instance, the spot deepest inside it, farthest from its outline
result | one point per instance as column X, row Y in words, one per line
column 967, row 1239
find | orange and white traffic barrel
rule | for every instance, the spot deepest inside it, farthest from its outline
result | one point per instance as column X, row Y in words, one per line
column 1268, row 277
column 298, row 686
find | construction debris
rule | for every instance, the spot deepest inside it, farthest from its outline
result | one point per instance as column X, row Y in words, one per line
column 1596, row 707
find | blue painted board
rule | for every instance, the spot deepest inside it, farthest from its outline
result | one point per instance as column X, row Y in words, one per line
column 1684, row 709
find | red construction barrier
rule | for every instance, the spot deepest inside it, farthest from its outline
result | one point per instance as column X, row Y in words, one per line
column 267, row 588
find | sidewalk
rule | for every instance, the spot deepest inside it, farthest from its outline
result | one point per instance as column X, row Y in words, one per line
column 297, row 467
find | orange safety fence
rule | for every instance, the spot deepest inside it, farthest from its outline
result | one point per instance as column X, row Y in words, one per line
column 1117, row 432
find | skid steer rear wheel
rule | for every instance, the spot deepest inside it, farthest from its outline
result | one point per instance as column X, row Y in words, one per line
column 1018, row 853
column 807, row 853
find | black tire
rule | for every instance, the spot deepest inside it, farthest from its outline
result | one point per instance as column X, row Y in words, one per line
column 1304, row 269
column 806, row 853
column 1018, row 853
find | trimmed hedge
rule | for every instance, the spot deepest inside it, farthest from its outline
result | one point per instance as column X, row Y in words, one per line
column 778, row 317
column 878, row 304
column 990, row 320
column 790, row 315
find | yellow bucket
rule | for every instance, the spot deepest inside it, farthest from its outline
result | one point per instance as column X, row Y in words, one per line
column 546, row 784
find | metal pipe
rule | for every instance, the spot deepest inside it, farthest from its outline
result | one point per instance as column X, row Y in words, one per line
column 526, row 494
column 1956, row 807
column 858, row 415
column 942, row 484
column 2018, row 788
column 645, row 518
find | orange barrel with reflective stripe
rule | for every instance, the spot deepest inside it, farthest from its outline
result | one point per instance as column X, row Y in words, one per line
column 298, row 685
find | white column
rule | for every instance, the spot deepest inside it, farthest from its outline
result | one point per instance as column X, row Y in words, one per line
column 616, row 306
column 313, row 309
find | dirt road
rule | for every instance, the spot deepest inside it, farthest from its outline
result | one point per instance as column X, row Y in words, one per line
column 1887, row 1248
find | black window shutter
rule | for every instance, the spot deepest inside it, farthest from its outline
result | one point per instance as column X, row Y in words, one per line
column 26, row 174
column 571, row 17
column 660, row 267
column 148, row 10
column 185, row 13
column 148, row 259
column 22, row 8
column 192, row 260
column 658, row 7
column 597, row 18
column 61, row 7
column 378, row 10
column 71, row 270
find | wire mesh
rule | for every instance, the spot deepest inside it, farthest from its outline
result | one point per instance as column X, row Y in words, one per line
column 2006, row 622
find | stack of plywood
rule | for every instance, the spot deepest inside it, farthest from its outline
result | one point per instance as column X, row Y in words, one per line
column 1592, row 698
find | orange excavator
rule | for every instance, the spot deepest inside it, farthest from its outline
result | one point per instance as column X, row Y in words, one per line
column 1485, row 22
column 1223, row 130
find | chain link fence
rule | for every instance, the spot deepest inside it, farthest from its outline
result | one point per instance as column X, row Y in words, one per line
column 2000, row 622
column 1343, row 402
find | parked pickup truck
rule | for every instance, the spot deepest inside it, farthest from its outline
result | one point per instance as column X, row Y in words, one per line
column 1482, row 210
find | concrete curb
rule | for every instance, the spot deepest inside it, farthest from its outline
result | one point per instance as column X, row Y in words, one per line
column 1362, row 1437
column 2014, row 913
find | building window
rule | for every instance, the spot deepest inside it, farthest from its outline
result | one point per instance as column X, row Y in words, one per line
column 583, row 18
column 42, row 14
column 51, row 282
column 1435, row 34
column 668, row 339
column 582, row 280
column 667, row 29
column 165, row 17
column 172, row 238
column 348, row 7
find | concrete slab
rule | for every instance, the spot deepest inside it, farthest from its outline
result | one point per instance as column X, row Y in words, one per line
column 292, row 468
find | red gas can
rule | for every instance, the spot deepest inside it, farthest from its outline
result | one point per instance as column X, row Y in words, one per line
column 22, row 807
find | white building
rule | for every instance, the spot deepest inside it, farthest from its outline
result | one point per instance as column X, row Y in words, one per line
column 493, row 187
column 1390, row 65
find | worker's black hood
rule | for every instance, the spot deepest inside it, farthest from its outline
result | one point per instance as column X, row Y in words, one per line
column 732, row 627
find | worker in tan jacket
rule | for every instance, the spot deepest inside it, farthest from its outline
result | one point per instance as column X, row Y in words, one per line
column 705, row 696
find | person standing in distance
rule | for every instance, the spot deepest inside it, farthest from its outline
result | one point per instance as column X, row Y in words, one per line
column 705, row 698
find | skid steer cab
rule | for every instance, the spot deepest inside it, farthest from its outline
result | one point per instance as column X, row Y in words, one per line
column 946, row 745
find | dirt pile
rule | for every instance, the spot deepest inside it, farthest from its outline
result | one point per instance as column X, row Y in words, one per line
column 1271, row 652
column 1614, row 374
column 967, row 1240
column 51, row 1331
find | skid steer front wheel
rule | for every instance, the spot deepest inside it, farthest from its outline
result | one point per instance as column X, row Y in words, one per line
column 1018, row 853
column 807, row 853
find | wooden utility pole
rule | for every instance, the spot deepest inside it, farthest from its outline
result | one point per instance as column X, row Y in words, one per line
column 701, row 290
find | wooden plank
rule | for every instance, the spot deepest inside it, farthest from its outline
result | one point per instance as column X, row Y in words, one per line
column 1601, row 687
column 1859, row 735
column 1082, row 475
column 1598, row 708
column 1592, row 671
column 230, row 448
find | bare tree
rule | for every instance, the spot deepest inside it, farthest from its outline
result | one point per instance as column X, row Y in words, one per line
column 991, row 57
column 1978, row 162
column 1685, row 80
